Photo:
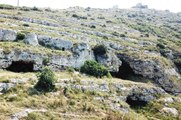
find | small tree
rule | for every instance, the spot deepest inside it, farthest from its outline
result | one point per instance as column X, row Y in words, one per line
column 93, row 68
column 46, row 81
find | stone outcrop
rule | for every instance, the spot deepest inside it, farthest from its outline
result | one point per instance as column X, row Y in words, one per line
column 153, row 69
column 110, row 60
column 7, row 35
column 82, row 52
column 31, row 39
column 141, row 96
column 55, row 43
column 170, row 111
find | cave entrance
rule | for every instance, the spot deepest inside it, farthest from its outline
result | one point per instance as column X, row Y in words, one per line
column 125, row 71
column 135, row 102
column 63, row 49
column 21, row 66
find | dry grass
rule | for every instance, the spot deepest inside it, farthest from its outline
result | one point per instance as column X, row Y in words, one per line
column 77, row 105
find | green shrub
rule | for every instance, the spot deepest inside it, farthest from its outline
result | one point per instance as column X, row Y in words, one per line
column 100, row 49
column 35, row 9
column 70, row 69
column 92, row 26
column 161, row 45
column 177, row 62
column 46, row 61
column 20, row 36
column 147, row 35
column 34, row 116
column 25, row 8
column 105, row 37
column 72, row 102
column 46, row 81
column 26, row 25
column 122, row 35
column 94, row 69
column 75, row 16
column 115, row 34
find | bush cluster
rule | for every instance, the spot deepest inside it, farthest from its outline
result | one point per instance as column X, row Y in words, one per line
column 177, row 62
column 94, row 69
column 46, row 61
column 26, row 25
column 46, row 82
column 100, row 49
column 20, row 36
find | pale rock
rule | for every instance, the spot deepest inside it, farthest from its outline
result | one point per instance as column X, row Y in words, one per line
column 170, row 111
column 31, row 39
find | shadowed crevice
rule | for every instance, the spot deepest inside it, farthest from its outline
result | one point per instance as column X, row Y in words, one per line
column 21, row 66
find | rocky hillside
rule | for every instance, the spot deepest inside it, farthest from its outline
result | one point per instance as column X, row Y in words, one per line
column 140, row 47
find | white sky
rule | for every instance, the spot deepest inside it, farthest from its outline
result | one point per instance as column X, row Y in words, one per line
column 172, row 5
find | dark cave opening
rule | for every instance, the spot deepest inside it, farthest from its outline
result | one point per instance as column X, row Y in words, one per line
column 63, row 49
column 125, row 71
column 135, row 102
column 21, row 66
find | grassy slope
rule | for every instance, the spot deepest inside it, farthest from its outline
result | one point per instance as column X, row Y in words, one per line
column 80, row 105
column 73, row 104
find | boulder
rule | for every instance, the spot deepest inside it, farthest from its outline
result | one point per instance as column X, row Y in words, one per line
column 4, row 63
column 7, row 35
column 31, row 39
column 141, row 96
column 170, row 111
column 168, row 100
column 81, row 53
column 55, row 43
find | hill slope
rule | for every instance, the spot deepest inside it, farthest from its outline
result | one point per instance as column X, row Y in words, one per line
column 143, row 47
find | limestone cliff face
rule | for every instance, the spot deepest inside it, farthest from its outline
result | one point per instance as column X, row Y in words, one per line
column 167, row 78
column 80, row 52
column 56, row 62
column 153, row 69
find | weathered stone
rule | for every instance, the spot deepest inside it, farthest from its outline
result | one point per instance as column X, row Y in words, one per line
column 31, row 39
column 153, row 69
column 5, row 87
column 141, row 95
column 82, row 52
column 104, row 87
column 170, row 111
column 55, row 43
column 7, row 35
column 118, row 107
column 110, row 60
column 167, row 53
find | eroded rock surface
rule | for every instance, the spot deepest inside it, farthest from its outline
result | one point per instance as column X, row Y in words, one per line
column 31, row 39
column 154, row 69
column 7, row 35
